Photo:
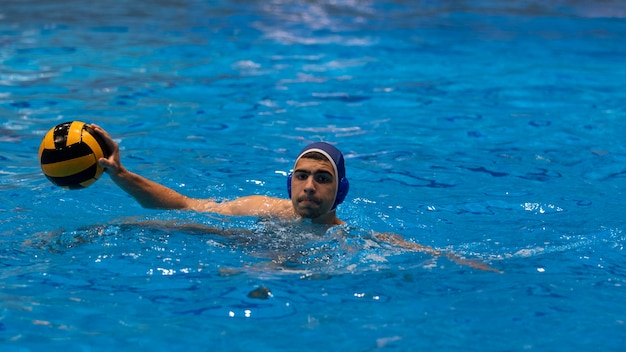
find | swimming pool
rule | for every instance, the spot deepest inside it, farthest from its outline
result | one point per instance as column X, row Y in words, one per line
column 491, row 129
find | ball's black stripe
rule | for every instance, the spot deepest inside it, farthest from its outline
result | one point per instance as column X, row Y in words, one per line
column 76, row 186
column 105, row 148
column 60, row 134
column 73, row 151
column 74, row 181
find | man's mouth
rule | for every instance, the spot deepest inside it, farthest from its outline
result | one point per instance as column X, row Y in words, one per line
column 309, row 200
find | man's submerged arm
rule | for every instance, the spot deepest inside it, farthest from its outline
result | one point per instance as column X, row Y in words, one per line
column 399, row 241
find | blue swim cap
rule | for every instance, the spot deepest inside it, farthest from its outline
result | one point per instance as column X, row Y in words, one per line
column 336, row 159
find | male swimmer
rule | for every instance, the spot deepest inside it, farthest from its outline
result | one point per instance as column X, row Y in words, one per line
column 316, row 186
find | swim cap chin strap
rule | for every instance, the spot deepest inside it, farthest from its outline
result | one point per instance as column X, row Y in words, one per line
column 336, row 159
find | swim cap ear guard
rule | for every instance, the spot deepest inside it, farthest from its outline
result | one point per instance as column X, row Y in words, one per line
column 336, row 159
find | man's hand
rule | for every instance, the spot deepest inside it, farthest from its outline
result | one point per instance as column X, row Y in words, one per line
column 112, row 165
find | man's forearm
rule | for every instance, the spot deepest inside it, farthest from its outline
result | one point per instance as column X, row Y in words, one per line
column 149, row 193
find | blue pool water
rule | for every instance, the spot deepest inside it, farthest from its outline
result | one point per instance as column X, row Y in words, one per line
column 492, row 129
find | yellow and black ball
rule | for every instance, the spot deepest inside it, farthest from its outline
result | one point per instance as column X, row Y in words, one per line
column 69, row 155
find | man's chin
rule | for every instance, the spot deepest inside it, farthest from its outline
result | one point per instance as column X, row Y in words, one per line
column 308, row 213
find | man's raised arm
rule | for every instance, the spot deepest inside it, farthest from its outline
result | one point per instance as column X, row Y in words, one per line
column 150, row 194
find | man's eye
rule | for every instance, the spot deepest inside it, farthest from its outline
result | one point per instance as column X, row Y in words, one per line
column 301, row 176
column 323, row 178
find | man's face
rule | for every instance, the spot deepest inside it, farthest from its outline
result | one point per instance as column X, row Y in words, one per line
column 313, row 187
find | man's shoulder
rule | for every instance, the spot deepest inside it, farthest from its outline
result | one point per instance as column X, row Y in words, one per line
column 256, row 205
column 267, row 201
column 267, row 206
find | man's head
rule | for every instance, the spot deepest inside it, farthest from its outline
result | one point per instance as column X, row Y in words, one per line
column 318, row 182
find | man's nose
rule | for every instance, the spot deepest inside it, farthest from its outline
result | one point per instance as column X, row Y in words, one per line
column 309, row 186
